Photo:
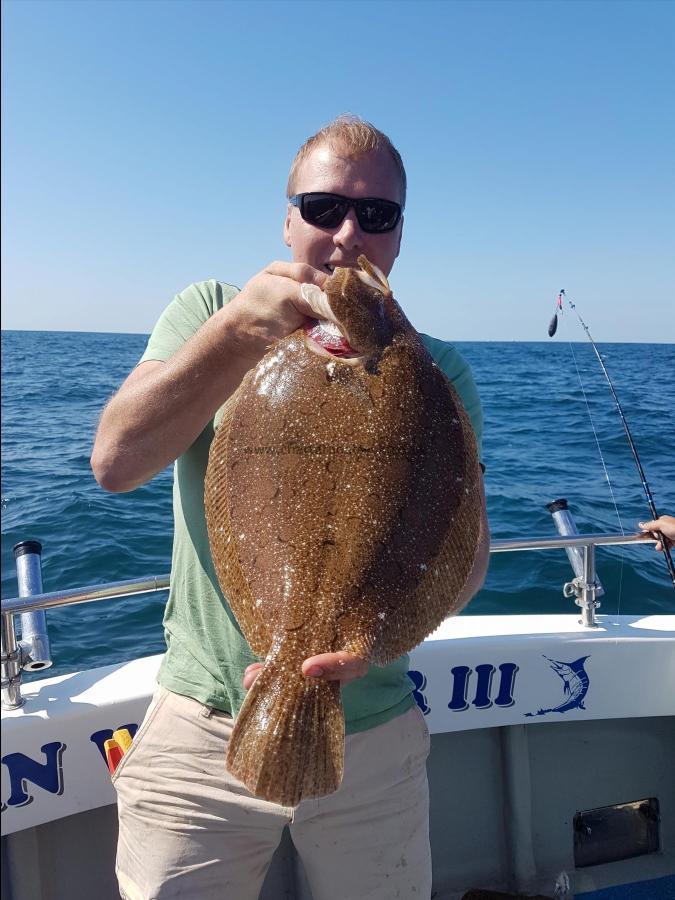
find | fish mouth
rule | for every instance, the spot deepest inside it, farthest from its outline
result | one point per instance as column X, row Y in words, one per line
column 324, row 337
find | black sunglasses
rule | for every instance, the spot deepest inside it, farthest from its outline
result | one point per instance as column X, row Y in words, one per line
column 374, row 216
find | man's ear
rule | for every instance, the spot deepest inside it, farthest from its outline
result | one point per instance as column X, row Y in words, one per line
column 287, row 226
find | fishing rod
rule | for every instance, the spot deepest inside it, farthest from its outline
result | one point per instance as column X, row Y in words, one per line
column 552, row 328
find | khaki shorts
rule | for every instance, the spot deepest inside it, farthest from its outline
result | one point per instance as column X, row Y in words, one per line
column 188, row 829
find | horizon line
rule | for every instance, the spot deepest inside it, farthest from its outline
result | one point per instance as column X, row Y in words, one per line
column 449, row 340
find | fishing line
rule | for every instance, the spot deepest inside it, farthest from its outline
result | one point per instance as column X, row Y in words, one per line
column 604, row 467
column 643, row 478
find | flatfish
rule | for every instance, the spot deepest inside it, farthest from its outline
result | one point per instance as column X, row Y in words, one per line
column 343, row 501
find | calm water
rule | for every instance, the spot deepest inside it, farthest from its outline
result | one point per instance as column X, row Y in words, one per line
column 538, row 446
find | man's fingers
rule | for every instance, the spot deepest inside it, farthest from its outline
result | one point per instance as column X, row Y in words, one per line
column 340, row 666
column 250, row 674
column 663, row 527
column 650, row 528
column 297, row 275
column 300, row 272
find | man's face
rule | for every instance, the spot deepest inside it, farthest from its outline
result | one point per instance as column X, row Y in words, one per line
column 374, row 175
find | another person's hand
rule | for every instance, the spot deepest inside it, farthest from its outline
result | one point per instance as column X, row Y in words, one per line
column 270, row 306
column 341, row 666
column 664, row 524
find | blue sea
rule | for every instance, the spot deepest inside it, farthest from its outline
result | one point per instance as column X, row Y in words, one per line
column 540, row 444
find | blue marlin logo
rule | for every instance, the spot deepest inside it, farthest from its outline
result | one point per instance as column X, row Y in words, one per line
column 575, row 685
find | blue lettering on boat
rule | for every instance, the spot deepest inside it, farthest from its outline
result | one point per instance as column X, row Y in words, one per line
column 22, row 769
column 484, row 686
column 461, row 679
column 419, row 680
column 460, row 688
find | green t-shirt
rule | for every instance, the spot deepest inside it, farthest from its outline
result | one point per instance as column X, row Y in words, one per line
column 206, row 651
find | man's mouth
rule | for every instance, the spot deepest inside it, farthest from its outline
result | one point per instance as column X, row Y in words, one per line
column 330, row 267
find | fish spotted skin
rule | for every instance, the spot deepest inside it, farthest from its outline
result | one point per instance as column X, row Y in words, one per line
column 343, row 500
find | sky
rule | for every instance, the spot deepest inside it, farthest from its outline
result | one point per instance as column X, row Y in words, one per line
column 146, row 145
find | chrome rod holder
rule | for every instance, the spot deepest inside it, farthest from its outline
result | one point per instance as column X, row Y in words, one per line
column 16, row 657
column 584, row 589
column 34, row 645
column 565, row 525
column 32, row 652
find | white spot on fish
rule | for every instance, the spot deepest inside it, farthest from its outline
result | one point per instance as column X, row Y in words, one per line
column 288, row 581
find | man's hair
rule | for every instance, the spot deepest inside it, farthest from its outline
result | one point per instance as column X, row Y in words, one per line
column 352, row 137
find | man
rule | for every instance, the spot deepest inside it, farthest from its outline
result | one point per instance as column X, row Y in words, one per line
column 186, row 826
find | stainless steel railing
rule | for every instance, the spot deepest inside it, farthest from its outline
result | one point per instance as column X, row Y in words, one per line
column 114, row 590
column 16, row 656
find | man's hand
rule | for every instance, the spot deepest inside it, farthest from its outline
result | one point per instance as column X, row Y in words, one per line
column 665, row 525
column 341, row 666
column 270, row 306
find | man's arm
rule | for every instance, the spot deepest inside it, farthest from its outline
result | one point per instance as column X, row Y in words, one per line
column 162, row 407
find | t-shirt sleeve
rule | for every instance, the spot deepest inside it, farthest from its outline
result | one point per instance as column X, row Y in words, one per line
column 458, row 372
column 184, row 316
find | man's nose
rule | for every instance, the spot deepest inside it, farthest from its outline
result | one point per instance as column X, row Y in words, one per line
column 349, row 234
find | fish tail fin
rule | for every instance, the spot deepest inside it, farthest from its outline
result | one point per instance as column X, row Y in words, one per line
column 287, row 743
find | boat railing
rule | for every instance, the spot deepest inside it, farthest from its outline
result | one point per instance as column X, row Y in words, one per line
column 32, row 652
